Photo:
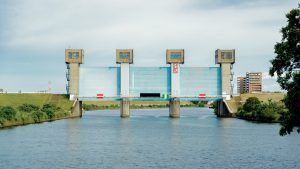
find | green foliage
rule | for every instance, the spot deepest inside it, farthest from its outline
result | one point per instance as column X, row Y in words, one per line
column 201, row 104
column 37, row 116
column 255, row 110
column 252, row 104
column 89, row 107
column 214, row 106
column 50, row 110
column 291, row 119
column 196, row 102
column 7, row 113
column 1, row 120
column 28, row 107
column 286, row 61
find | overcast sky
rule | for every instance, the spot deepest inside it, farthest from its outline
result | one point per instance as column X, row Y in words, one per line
column 34, row 34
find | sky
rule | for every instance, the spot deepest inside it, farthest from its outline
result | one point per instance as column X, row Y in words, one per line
column 35, row 33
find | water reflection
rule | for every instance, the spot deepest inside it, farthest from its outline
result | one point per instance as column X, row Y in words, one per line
column 148, row 139
column 73, row 135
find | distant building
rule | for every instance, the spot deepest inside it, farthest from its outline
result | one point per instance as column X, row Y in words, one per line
column 252, row 83
column 241, row 85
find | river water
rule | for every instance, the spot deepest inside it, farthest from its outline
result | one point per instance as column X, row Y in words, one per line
column 149, row 139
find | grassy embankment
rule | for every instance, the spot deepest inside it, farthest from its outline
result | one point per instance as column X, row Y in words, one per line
column 21, row 109
column 266, row 108
column 238, row 101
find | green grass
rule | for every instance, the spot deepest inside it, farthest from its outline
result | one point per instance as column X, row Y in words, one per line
column 16, row 100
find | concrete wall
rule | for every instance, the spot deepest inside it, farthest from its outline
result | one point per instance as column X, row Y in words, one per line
column 226, row 79
column 124, row 80
column 74, row 79
column 175, row 80
column 77, row 109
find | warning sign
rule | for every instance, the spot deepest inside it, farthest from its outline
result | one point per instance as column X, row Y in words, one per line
column 202, row 96
column 100, row 96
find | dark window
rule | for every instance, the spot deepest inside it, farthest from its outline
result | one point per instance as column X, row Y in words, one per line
column 226, row 55
column 175, row 55
column 124, row 55
column 149, row 94
column 73, row 55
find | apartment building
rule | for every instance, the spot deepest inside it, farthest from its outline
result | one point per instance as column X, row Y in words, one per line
column 251, row 83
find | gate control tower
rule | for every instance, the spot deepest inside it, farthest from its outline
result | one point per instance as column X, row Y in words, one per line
column 226, row 59
column 175, row 57
column 124, row 57
column 73, row 59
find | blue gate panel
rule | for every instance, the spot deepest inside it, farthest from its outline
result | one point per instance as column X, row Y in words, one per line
column 149, row 80
column 200, row 80
column 96, row 80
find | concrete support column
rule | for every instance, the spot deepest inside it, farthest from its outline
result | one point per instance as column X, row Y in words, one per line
column 74, row 81
column 124, row 57
column 124, row 103
column 124, row 108
column 219, row 108
column 226, row 80
column 222, row 109
column 77, row 109
column 73, row 57
column 174, row 109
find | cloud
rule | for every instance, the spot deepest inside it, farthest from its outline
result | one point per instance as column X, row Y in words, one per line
column 35, row 31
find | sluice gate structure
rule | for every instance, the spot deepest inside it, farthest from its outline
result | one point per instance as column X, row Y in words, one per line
column 172, row 83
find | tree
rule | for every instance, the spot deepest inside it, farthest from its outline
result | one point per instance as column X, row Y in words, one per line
column 286, row 65
column 252, row 104
column 8, row 112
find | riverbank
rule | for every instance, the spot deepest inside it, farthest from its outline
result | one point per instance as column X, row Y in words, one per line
column 259, row 107
column 23, row 109
column 112, row 105
column 237, row 102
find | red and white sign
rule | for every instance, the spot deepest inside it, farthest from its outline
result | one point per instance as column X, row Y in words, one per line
column 175, row 67
column 202, row 96
column 100, row 96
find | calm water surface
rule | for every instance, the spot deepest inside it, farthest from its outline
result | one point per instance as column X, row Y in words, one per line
column 149, row 139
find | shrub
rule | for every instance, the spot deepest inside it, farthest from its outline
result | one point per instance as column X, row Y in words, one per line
column 201, row 104
column 252, row 104
column 253, row 109
column 7, row 112
column 37, row 116
column 196, row 102
column 28, row 107
column 88, row 107
column 50, row 110
column 1, row 120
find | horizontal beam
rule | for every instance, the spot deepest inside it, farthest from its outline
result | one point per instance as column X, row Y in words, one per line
column 215, row 98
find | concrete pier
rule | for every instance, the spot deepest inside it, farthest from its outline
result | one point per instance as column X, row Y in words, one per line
column 124, row 108
column 222, row 109
column 77, row 108
column 174, row 109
